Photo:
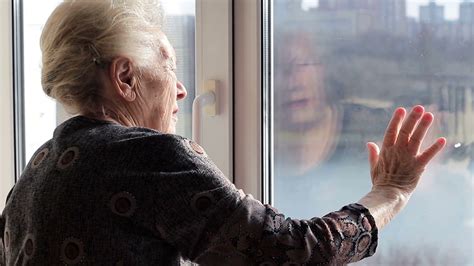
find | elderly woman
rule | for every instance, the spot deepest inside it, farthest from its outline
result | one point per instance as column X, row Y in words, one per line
column 115, row 186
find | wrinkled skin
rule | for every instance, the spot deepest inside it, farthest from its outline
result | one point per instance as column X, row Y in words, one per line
column 398, row 166
column 396, row 169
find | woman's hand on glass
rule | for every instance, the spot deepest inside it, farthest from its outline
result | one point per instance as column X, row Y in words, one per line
column 398, row 166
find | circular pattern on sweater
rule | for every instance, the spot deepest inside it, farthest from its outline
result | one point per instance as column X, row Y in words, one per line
column 29, row 246
column 203, row 203
column 350, row 229
column 346, row 248
column 363, row 242
column 366, row 224
column 68, row 157
column 39, row 158
column 123, row 204
column 196, row 147
column 72, row 251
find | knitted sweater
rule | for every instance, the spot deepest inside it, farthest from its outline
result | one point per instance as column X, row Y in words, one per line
column 99, row 193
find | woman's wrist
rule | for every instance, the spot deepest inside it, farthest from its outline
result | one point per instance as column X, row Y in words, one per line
column 391, row 193
column 384, row 203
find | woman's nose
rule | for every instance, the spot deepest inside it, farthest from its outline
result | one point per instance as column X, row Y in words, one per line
column 181, row 91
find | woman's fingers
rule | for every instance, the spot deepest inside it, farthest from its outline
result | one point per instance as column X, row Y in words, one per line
column 393, row 127
column 374, row 151
column 409, row 124
column 429, row 153
column 420, row 132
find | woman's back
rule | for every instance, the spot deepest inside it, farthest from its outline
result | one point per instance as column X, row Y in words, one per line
column 73, row 202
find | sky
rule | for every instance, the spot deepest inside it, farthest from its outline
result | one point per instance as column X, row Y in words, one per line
column 179, row 6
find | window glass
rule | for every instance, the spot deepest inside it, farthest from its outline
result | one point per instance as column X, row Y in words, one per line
column 42, row 114
column 180, row 30
column 340, row 69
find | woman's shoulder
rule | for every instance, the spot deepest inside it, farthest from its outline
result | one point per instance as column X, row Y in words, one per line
column 81, row 128
column 127, row 144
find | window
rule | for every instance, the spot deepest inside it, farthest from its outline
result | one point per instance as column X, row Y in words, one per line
column 201, row 33
column 42, row 114
column 180, row 30
column 340, row 69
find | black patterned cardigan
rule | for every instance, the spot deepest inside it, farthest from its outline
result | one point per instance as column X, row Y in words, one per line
column 99, row 193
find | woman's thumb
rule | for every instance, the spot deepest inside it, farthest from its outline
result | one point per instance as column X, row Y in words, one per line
column 373, row 150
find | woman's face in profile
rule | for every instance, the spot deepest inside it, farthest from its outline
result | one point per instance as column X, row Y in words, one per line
column 299, row 91
column 162, row 90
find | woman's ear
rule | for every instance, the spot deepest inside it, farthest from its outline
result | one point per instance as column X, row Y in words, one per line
column 123, row 78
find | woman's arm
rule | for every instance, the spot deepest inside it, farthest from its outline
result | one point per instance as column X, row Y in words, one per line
column 198, row 211
column 257, row 234
column 185, row 201
column 383, row 205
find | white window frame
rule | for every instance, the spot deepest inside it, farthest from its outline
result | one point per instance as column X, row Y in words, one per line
column 252, row 156
column 7, row 160
column 214, row 62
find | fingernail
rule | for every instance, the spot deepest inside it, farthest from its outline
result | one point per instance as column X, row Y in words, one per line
column 442, row 141
column 400, row 110
column 428, row 117
column 418, row 109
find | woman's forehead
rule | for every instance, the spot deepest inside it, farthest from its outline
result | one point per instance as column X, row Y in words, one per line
column 167, row 49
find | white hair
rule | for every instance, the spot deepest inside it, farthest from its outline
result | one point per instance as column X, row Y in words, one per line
column 83, row 36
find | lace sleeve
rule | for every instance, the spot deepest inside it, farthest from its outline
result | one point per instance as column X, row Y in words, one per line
column 258, row 234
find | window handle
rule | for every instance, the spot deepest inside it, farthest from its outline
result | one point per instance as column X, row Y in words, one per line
column 204, row 103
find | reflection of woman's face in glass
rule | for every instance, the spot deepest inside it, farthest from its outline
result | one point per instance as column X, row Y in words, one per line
column 299, row 93
column 305, row 124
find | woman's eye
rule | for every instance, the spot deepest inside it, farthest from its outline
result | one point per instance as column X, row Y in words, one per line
column 170, row 68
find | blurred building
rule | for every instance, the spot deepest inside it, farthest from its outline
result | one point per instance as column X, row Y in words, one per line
column 432, row 13
column 392, row 16
column 466, row 21
column 456, row 101
column 466, row 13
column 384, row 15
column 432, row 22
column 347, row 4
column 332, row 18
